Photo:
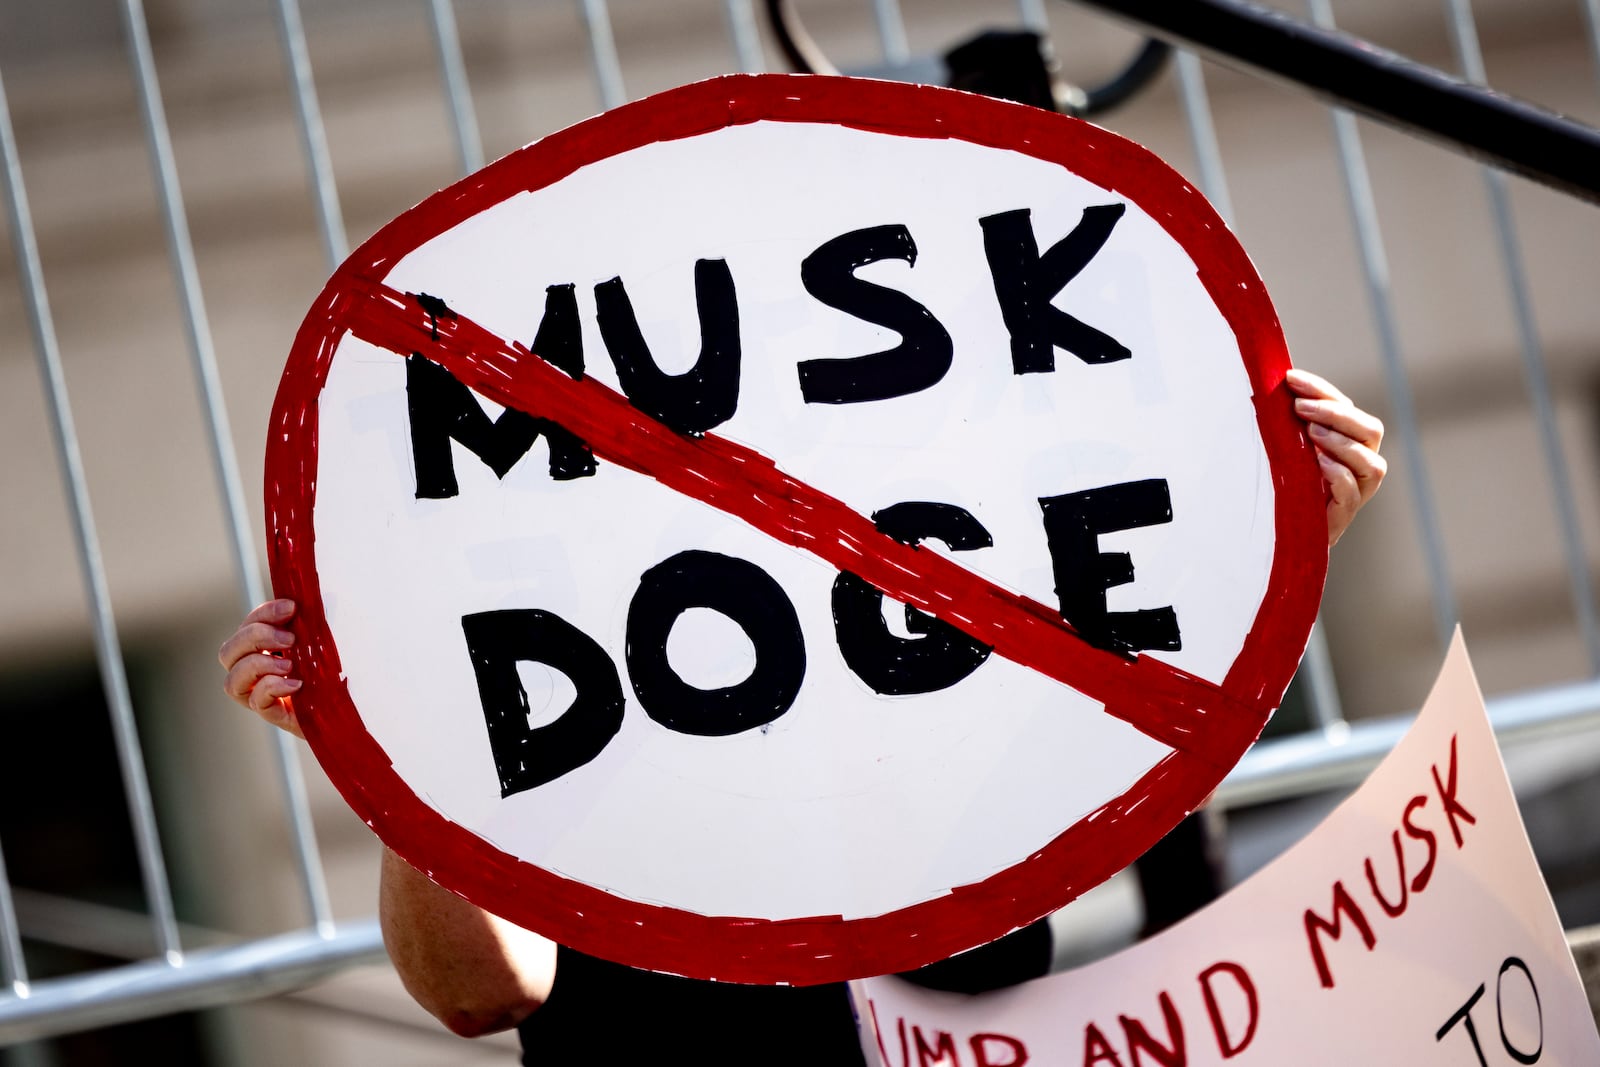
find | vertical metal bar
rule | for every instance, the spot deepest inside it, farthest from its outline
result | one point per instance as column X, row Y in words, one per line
column 603, row 53
column 313, row 138
column 335, row 246
column 1033, row 15
column 453, row 68
column 1322, row 689
column 746, row 37
column 199, row 335
column 1322, row 692
column 1203, row 133
column 302, row 833
column 1591, row 16
column 13, row 971
column 1375, row 269
column 113, row 674
column 891, row 30
column 1469, row 54
column 224, row 461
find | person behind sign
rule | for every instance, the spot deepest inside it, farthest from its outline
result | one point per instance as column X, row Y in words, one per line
column 479, row 974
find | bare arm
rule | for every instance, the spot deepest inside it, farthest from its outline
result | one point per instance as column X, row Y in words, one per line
column 474, row 972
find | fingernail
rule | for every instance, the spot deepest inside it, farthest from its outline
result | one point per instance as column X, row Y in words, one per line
column 1319, row 430
column 1306, row 407
column 293, row 683
column 284, row 637
column 1326, row 460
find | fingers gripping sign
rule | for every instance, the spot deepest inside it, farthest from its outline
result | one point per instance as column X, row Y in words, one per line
column 1347, row 441
column 852, row 550
column 256, row 659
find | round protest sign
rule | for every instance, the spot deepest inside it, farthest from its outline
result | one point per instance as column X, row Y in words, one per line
column 791, row 529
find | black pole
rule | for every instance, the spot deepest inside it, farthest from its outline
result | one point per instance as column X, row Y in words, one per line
column 1356, row 74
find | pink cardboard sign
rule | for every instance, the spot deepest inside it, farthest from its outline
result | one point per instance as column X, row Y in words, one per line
column 1412, row 926
column 789, row 529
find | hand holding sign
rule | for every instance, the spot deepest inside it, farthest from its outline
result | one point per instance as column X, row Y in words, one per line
column 260, row 673
column 596, row 504
column 1347, row 441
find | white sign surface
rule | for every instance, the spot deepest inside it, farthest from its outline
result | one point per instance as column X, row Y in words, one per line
column 875, row 511
column 1411, row 927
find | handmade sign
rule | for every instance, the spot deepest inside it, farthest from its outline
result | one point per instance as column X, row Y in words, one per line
column 1412, row 926
column 788, row 529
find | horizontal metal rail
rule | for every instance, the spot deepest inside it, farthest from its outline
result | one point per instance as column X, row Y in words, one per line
column 1342, row 756
column 120, row 934
column 1273, row 770
column 206, row 978
column 1357, row 74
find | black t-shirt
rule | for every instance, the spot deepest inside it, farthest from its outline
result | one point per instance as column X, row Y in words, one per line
column 603, row 1013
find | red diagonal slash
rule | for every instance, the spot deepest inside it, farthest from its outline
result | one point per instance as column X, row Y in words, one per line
column 1171, row 705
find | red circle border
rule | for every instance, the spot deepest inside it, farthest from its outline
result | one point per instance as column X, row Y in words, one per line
column 813, row 949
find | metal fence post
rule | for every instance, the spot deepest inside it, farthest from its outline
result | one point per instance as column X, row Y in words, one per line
column 1469, row 54
column 113, row 672
column 225, row 463
column 1375, row 270
column 458, row 93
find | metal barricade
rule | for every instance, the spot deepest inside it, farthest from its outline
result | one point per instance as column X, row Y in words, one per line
column 1334, row 753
